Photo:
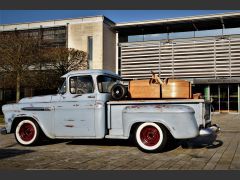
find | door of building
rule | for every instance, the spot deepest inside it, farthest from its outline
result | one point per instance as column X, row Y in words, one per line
column 224, row 97
column 233, row 98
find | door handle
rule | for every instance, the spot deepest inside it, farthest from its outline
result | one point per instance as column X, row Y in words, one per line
column 91, row 96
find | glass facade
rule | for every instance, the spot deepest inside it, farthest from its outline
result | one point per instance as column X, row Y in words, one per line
column 51, row 37
column 214, row 97
column 233, row 98
column 188, row 34
column 225, row 97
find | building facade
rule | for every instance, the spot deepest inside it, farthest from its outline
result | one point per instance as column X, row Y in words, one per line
column 202, row 49
column 93, row 35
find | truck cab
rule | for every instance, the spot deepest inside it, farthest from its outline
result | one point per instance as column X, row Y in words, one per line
column 79, row 108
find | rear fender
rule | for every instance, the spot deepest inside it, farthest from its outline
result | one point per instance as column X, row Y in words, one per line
column 178, row 119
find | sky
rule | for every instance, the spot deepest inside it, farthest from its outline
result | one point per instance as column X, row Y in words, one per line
column 20, row 16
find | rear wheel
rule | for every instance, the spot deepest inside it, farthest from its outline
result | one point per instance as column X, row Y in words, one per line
column 27, row 132
column 151, row 137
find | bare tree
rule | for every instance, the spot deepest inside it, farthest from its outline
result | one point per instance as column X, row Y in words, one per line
column 19, row 55
column 25, row 63
column 63, row 60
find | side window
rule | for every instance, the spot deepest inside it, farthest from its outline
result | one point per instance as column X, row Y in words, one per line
column 105, row 83
column 81, row 85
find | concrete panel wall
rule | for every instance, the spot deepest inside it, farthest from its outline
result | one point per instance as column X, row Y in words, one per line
column 78, row 39
column 52, row 23
column 109, row 48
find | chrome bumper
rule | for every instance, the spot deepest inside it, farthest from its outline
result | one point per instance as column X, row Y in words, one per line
column 210, row 130
column 3, row 131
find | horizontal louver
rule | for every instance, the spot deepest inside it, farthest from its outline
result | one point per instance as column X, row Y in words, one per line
column 188, row 58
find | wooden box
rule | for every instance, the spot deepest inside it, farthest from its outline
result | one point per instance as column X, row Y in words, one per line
column 197, row 96
column 176, row 88
column 143, row 89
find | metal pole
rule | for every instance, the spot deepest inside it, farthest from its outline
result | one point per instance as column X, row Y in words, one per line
column 230, row 57
column 159, row 63
column 67, row 31
column 215, row 71
column 117, row 55
column 219, row 94
column 209, row 93
column 228, row 98
column 120, row 59
column 238, row 99
column 172, row 61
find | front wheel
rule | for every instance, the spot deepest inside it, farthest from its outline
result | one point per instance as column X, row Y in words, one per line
column 150, row 137
column 27, row 132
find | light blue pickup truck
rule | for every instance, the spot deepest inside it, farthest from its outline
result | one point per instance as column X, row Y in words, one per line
column 83, row 109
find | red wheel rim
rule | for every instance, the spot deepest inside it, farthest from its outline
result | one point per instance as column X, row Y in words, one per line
column 26, row 132
column 150, row 136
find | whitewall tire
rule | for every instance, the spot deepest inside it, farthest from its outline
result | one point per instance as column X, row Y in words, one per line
column 150, row 137
column 27, row 132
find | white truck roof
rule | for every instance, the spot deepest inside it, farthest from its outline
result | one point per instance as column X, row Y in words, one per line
column 91, row 71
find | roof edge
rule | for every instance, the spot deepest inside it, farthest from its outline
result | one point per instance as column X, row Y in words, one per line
column 177, row 19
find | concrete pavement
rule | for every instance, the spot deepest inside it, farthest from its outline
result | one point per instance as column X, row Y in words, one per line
column 199, row 154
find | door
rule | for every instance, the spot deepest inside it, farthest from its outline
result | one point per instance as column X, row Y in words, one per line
column 214, row 96
column 74, row 112
column 233, row 98
column 223, row 98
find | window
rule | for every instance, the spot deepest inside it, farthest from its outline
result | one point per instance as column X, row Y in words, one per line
column 90, row 51
column 81, row 85
column 1, row 94
column 105, row 83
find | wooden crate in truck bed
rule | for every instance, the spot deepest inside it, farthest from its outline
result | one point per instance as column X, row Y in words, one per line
column 176, row 88
column 170, row 89
column 144, row 89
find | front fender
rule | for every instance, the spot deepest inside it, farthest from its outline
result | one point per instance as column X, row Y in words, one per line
column 45, row 130
column 178, row 119
column 16, row 111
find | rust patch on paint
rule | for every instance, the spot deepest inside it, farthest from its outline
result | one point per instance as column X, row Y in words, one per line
column 135, row 107
column 16, row 111
column 21, row 115
column 35, row 118
column 69, row 125
column 69, row 120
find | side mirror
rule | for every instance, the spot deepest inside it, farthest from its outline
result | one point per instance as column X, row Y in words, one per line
column 58, row 90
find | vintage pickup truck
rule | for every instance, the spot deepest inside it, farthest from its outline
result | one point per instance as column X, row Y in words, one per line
column 83, row 109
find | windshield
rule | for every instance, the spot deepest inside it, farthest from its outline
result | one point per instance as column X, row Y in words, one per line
column 63, row 88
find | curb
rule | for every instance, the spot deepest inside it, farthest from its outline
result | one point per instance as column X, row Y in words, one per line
column 230, row 131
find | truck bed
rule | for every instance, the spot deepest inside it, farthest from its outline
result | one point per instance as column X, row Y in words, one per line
column 115, row 111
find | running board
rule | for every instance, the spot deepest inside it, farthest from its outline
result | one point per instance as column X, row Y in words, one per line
column 115, row 137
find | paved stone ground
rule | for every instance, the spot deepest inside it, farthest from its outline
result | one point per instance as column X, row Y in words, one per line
column 208, row 153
